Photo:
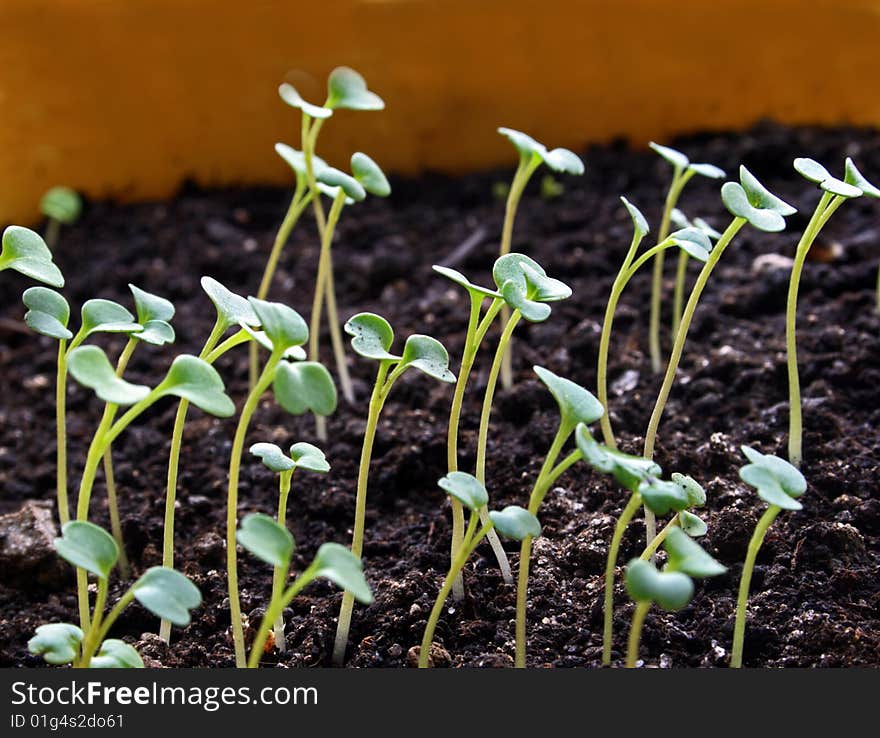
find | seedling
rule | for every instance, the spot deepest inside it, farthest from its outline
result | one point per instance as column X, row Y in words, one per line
column 690, row 240
column 372, row 337
column 188, row 377
column 834, row 193
column 576, row 407
column 302, row 456
column 26, row 252
column 346, row 90
column 163, row 591
column 298, row 387
column 682, row 221
column 512, row 522
column 61, row 206
column 682, row 172
column 671, row 589
column 779, row 484
column 531, row 155
column 688, row 521
column 273, row 543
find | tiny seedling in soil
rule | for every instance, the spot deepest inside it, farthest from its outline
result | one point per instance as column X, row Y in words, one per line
column 372, row 337
column 834, row 193
column 779, row 484
column 303, row 456
column 299, row 387
column 273, row 543
column 682, row 172
column 164, row 592
column 672, row 588
column 25, row 252
column 531, row 155
column 512, row 522
column 577, row 407
column 61, row 206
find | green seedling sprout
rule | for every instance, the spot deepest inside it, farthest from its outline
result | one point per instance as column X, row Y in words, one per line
column 164, row 592
column 577, row 407
column 25, row 252
column 834, row 193
column 61, row 206
column 346, row 90
column 749, row 202
column 531, row 155
column 303, row 456
column 273, row 543
column 512, row 522
column 372, row 337
column 690, row 240
column 671, row 589
column 682, row 172
column 779, row 484
column 188, row 377
column 298, row 387
column 688, row 521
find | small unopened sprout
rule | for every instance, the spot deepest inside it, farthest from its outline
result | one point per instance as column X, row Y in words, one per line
column 303, row 456
column 779, row 484
column 671, row 589
column 531, row 155
column 682, row 172
column 163, row 591
column 61, row 206
column 512, row 522
column 273, row 543
column 577, row 407
column 372, row 338
column 26, row 252
column 834, row 193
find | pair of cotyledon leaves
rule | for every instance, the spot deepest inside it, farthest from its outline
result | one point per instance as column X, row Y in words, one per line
column 270, row 542
column 346, row 89
column 695, row 240
column 777, row 482
column 750, row 200
column 512, row 522
column 59, row 643
column 62, row 204
column 25, row 251
column 853, row 184
column 681, row 163
column 559, row 160
column 366, row 175
column 302, row 456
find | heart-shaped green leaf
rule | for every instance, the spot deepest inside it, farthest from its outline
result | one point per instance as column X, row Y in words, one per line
column 517, row 298
column 463, row 281
column 660, row 496
column 284, row 326
column 811, row 170
column 231, row 308
column 336, row 178
column 523, row 143
column 560, row 160
column 709, row 171
column 371, row 336
column 88, row 547
column 671, row 590
column 347, row 89
column 790, row 478
column 515, row 522
column 760, row 197
column 576, row 405
column 106, row 316
column 90, row 367
column 628, row 471
column 305, row 386
column 273, row 457
column 695, row 492
column 167, row 594
column 26, row 252
column 857, row 179
column 676, row 158
column 57, row 643
column 737, row 202
column 465, row 488
column 778, row 482
column 344, row 569
column 693, row 242
column 840, row 188
column 48, row 312
column 544, row 288
column 688, row 556
column 293, row 353
column 427, row 355
column 62, row 204
column 692, row 524
column 267, row 540
column 198, row 382
column 116, row 654
column 640, row 223
column 291, row 96
column 151, row 307
column 309, row 457
column 370, row 175
column 296, row 160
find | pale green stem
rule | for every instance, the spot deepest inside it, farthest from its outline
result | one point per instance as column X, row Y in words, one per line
column 53, row 230
column 657, row 540
column 336, row 342
column 795, row 422
column 90, row 640
column 613, row 550
column 678, row 295
column 635, row 633
column 61, row 433
column 279, row 576
column 742, row 600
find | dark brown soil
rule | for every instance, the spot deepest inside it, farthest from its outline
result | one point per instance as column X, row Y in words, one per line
column 816, row 591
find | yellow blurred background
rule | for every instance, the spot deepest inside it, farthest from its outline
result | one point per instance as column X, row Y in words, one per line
column 126, row 98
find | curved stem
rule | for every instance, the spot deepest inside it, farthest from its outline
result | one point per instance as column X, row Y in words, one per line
column 53, row 229
column 112, row 616
column 91, row 642
column 336, row 341
column 742, row 600
column 61, row 434
column 635, row 633
column 279, row 576
column 657, row 540
column 678, row 295
column 613, row 550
